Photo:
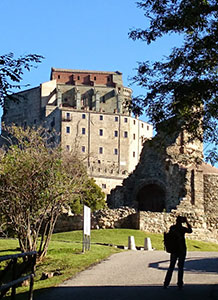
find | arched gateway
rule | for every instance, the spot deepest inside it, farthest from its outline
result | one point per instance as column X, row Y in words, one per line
column 151, row 197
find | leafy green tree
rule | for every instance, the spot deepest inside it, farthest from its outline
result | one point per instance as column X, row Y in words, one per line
column 11, row 73
column 91, row 195
column 36, row 181
column 183, row 86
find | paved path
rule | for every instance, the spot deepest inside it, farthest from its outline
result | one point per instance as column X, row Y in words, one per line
column 139, row 275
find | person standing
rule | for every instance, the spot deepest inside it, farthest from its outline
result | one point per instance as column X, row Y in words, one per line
column 179, row 253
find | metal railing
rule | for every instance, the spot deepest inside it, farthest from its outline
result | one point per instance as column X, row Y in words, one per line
column 16, row 271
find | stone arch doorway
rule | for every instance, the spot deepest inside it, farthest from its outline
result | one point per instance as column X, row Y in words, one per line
column 151, row 197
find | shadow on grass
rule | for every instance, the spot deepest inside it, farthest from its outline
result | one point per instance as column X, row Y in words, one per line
column 196, row 265
column 10, row 250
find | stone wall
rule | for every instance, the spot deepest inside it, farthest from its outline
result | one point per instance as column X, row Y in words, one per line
column 25, row 111
column 123, row 217
column 205, row 227
column 211, row 194
column 67, row 222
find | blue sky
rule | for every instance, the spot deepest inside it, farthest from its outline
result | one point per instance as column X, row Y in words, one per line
column 90, row 35
column 78, row 34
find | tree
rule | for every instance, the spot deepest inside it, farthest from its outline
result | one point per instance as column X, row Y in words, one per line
column 11, row 73
column 184, row 86
column 91, row 195
column 36, row 181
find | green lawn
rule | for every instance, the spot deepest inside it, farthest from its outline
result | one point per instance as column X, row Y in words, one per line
column 65, row 255
column 120, row 237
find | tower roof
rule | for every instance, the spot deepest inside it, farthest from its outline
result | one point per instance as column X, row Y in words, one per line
column 85, row 71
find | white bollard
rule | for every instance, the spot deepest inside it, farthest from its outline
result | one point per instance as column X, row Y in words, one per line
column 131, row 243
column 147, row 245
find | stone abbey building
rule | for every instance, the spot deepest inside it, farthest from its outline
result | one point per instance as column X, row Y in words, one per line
column 89, row 112
column 149, row 180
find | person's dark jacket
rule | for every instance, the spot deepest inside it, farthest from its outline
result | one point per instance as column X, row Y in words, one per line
column 179, row 231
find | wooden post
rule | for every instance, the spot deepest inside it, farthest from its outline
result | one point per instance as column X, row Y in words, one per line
column 32, row 277
column 14, row 275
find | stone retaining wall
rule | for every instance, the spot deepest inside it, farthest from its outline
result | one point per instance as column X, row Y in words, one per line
column 123, row 217
column 67, row 222
column 205, row 227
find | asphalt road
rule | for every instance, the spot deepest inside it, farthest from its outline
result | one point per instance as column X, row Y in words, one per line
column 139, row 275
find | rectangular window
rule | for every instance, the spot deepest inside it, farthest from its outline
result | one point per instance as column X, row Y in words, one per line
column 133, row 136
column 67, row 129
column 147, row 127
column 83, row 149
column 103, row 186
column 116, row 133
column 83, row 131
column 83, row 116
column 142, row 125
column 59, row 76
column 134, row 122
column 125, row 134
column 94, row 77
column 68, row 116
column 101, row 118
column 115, row 151
column 133, row 154
column 78, row 77
column 100, row 150
column 101, row 132
column 125, row 120
column 116, row 119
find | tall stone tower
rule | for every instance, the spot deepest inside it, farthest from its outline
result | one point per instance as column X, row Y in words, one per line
column 89, row 111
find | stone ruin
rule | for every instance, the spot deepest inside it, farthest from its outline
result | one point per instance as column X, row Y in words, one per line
column 171, row 179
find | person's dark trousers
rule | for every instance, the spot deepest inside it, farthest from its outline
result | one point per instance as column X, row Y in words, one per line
column 173, row 259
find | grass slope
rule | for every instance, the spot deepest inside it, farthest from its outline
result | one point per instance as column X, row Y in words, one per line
column 120, row 237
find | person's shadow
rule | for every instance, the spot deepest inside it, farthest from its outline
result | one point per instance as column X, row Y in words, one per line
column 193, row 264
